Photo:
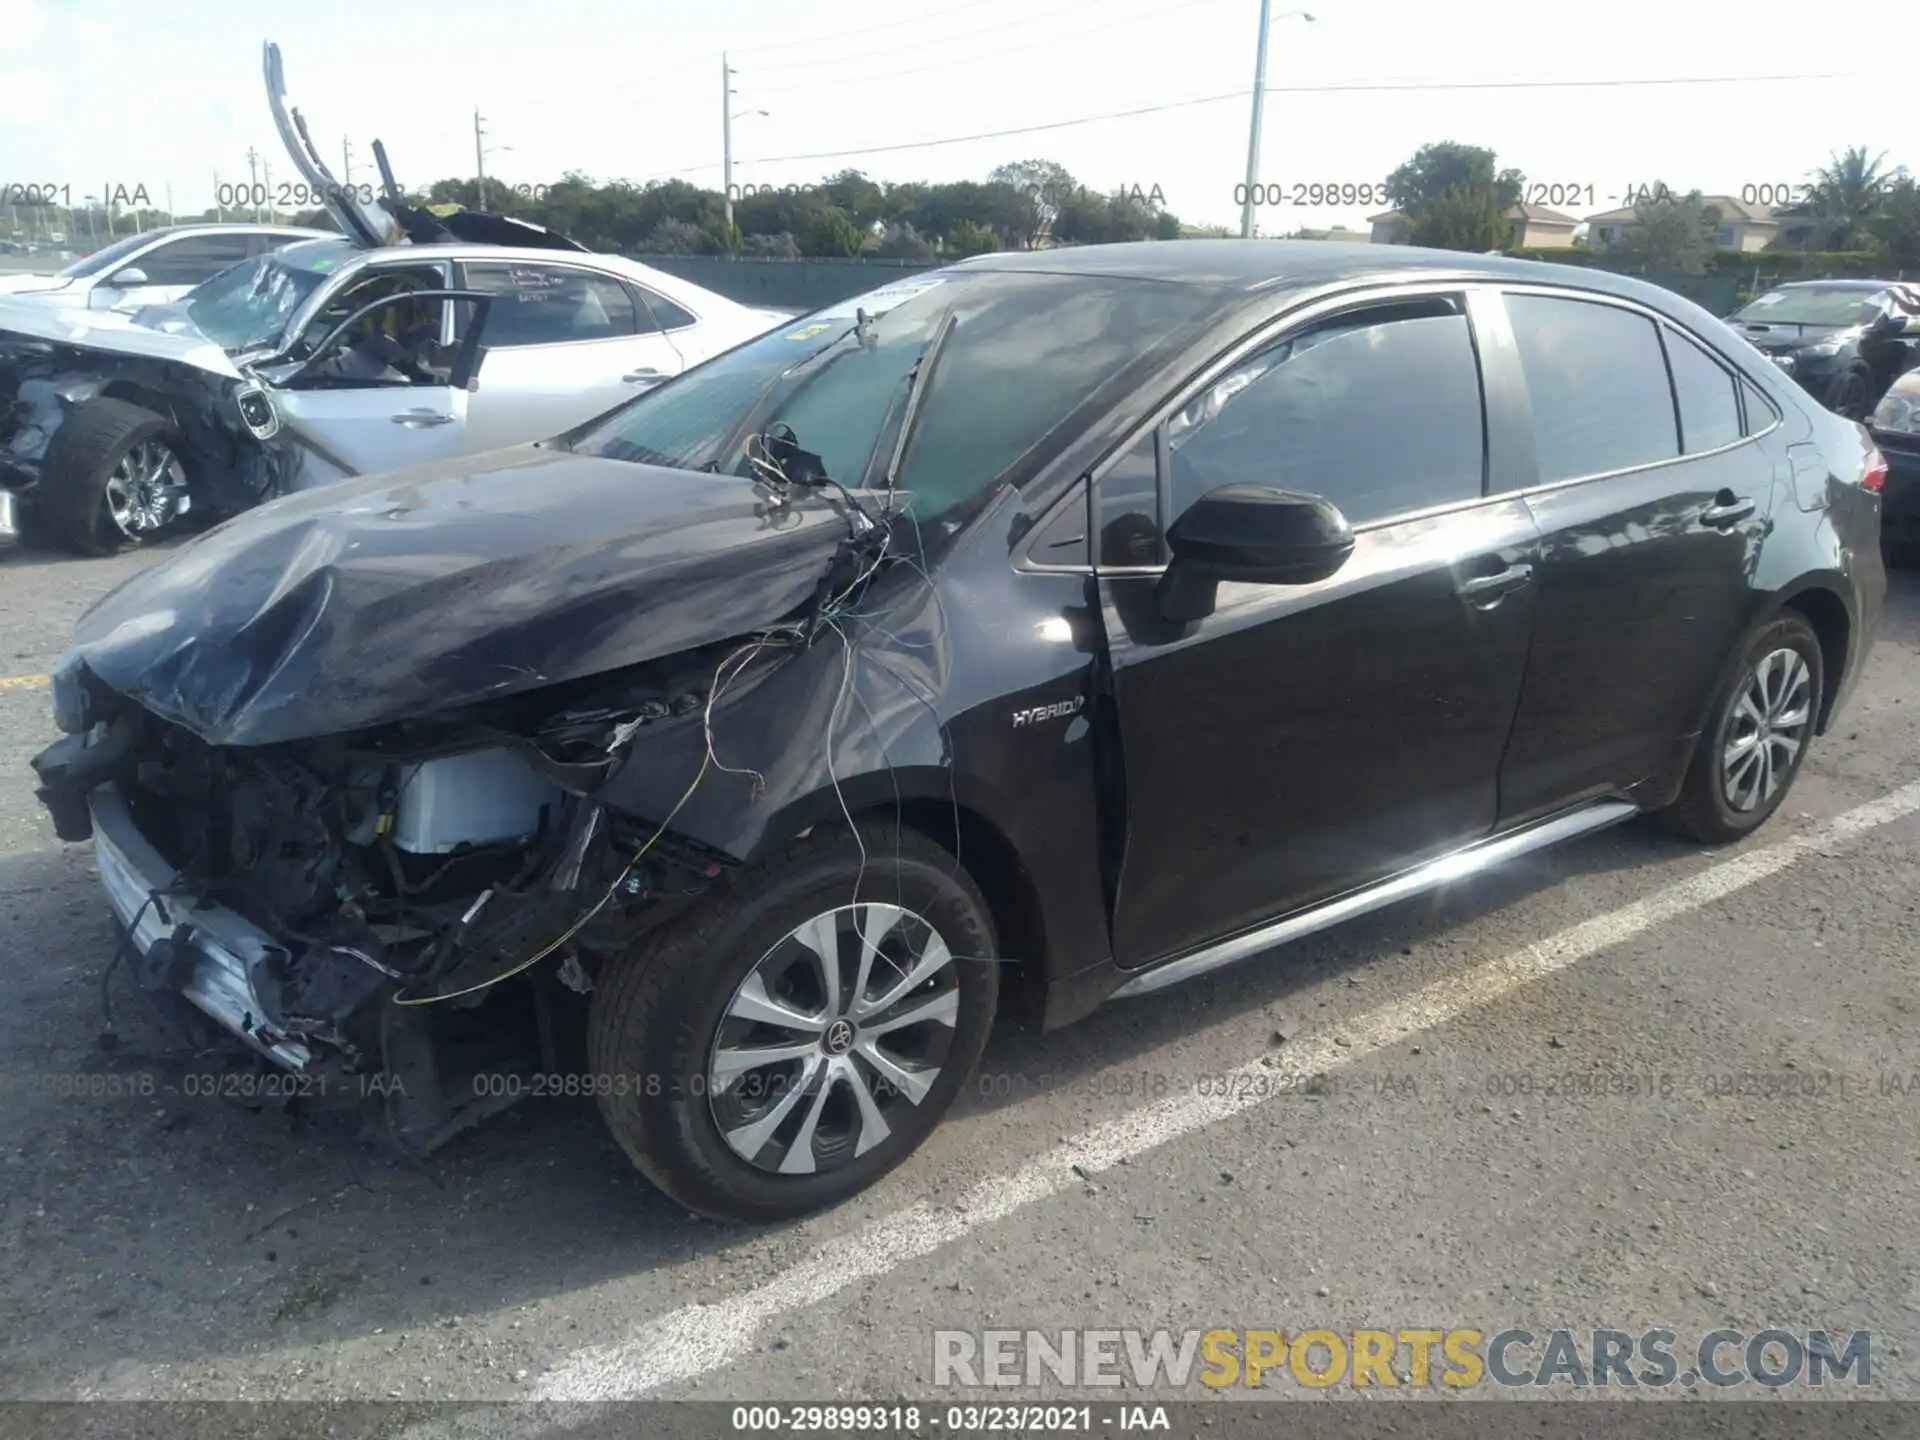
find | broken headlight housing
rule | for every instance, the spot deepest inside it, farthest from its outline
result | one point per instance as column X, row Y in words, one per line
column 257, row 412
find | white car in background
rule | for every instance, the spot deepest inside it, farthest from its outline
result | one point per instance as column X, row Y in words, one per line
column 154, row 267
column 409, row 336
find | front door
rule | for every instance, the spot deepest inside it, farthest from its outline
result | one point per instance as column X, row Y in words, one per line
column 564, row 343
column 1306, row 739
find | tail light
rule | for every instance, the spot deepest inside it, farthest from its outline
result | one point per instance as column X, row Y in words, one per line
column 1874, row 476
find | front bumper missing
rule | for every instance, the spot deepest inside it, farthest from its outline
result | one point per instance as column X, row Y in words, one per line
column 217, row 951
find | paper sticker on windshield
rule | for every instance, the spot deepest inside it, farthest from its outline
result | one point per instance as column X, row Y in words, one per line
column 807, row 332
column 883, row 299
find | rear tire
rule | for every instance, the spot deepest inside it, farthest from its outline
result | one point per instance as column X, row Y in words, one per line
column 84, row 505
column 1752, row 749
column 676, row 1040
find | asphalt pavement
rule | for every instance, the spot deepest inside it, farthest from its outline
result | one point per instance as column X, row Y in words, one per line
column 1628, row 1085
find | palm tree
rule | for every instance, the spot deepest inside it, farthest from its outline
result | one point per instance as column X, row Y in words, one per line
column 1845, row 195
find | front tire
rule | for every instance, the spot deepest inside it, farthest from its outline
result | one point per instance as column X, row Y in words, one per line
column 1751, row 751
column 802, row 1030
column 112, row 479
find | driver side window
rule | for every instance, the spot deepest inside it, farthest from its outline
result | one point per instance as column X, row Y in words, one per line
column 1379, row 410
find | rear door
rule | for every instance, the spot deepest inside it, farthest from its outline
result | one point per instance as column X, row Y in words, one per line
column 564, row 343
column 1652, row 500
column 1307, row 739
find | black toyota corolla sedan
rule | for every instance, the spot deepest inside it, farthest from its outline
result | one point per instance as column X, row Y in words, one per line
column 1030, row 633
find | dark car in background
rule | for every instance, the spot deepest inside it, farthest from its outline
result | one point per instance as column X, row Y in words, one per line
column 1045, row 629
column 1895, row 427
column 1844, row 341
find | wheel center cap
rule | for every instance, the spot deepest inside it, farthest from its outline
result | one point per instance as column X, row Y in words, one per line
column 839, row 1038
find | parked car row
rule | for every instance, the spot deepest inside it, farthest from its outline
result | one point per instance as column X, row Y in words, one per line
column 404, row 337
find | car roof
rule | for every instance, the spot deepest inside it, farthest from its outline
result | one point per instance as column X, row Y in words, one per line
column 1279, row 265
column 248, row 226
column 1840, row 285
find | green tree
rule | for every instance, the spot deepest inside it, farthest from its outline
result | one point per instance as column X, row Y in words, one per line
column 1043, row 186
column 1896, row 229
column 1454, row 198
column 971, row 238
column 830, row 232
column 1846, row 194
column 1671, row 232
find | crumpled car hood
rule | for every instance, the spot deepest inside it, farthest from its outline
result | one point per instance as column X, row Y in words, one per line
column 117, row 333
column 397, row 596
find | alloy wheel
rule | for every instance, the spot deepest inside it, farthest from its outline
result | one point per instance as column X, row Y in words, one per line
column 146, row 489
column 845, row 1021
column 1766, row 729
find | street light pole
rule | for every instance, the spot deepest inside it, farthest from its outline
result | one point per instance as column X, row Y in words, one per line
column 479, row 163
column 1259, row 108
column 726, row 140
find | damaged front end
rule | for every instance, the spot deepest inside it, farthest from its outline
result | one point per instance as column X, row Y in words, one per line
column 345, row 907
column 343, row 763
column 53, row 366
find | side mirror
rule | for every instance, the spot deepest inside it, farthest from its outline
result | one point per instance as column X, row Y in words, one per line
column 1251, row 533
column 128, row 278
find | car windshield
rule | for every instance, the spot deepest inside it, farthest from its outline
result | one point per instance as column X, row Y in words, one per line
column 1814, row 305
column 1024, row 351
column 105, row 259
column 247, row 306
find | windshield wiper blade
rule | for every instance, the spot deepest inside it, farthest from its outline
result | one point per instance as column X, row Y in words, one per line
column 917, row 380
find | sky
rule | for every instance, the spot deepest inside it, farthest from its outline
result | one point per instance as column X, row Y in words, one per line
column 99, row 94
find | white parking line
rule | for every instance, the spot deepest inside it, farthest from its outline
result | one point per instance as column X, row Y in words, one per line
column 700, row 1338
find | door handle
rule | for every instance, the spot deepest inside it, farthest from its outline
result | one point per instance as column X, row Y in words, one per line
column 1484, row 589
column 1727, row 511
column 635, row 376
column 420, row 419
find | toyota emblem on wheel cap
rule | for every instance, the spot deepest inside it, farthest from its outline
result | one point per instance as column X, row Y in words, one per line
column 839, row 1038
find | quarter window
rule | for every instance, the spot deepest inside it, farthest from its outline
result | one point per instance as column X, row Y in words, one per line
column 551, row 305
column 1378, row 410
column 1597, row 384
column 659, row 313
column 1704, row 390
column 193, row 259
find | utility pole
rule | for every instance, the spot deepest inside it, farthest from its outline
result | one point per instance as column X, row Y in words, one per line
column 266, row 183
column 726, row 140
column 219, row 206
column 253, row 181
column 346, row 161
column 170, row 215
column 479, row 161
column 1259, row 107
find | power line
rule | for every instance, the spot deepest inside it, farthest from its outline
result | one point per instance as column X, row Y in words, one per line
column 1244, row 94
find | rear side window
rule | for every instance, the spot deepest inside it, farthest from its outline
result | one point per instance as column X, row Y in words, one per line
column 1762, row 413
column 659, row 313
column 1704, row 389
column 193, row 259
column 1597, row 385
column 551, row 305
column 1379, row 411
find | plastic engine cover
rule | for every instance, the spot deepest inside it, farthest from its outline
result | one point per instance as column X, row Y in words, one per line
column 477, row 799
